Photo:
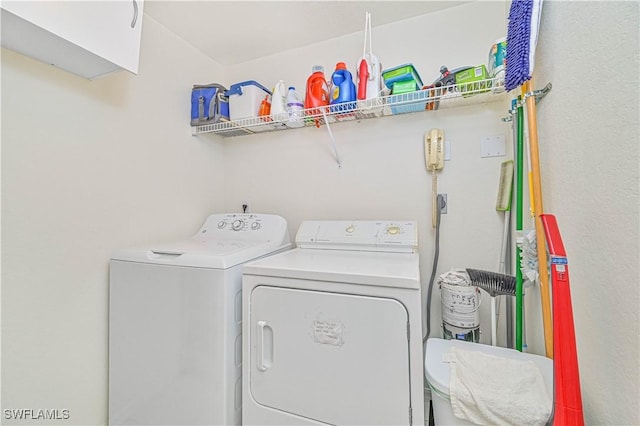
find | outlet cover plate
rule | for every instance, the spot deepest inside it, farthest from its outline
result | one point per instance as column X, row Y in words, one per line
column 492, row 146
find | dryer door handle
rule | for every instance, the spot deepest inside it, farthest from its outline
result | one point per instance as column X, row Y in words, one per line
column 264, row 346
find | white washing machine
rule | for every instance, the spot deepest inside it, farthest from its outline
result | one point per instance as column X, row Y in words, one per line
column 175, row 323
column 332, row 329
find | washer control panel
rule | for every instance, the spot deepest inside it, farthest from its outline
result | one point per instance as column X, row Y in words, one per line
column 365, row 235
column 242, row 226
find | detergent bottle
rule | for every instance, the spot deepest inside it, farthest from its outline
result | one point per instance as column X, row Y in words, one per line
column 343, row 90
column 265, row 109
column 317, row 94
column 294, row 108
column 279, row 103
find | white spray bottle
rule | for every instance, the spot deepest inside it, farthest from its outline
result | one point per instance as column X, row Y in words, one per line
column 279, row 103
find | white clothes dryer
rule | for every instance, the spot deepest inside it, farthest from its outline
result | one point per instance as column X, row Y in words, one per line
column 175, row 315
column 332, row 330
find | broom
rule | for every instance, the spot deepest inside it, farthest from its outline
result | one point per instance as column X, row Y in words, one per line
column 522, row 37
column 495, row 284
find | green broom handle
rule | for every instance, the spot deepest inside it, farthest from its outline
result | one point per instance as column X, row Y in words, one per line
column 519, row 190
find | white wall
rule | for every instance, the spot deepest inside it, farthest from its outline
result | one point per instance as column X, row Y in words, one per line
column 88, row 167
column 589, row 128
column 293, row 173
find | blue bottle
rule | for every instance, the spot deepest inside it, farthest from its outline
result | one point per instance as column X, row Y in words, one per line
column 343, row 89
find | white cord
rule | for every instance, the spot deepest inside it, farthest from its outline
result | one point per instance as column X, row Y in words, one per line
column 434, row 196
column 333, row 143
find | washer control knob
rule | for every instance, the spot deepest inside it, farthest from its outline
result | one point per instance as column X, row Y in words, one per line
column 393, row 230
column 350, row 229
column 222, row 224
column 237, row 225
column 255, row 225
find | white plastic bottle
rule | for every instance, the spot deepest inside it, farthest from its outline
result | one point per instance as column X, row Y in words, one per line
column 294, row 108
column 279, row 103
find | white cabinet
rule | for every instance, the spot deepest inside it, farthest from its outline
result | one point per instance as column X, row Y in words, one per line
column 87, row 38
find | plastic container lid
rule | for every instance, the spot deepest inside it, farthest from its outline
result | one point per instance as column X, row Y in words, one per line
column 236, row 89
column 341, row 66
column 317, row 68
column 437, row 371
column 401, row 73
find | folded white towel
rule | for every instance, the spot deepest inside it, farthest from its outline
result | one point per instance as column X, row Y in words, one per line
column 490, row 390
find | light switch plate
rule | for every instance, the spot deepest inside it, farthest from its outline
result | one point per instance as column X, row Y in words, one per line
column 492, row 146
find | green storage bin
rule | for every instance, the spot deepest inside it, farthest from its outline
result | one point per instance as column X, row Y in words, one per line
column 405, row 72
column 406, row 86
column 474, row 80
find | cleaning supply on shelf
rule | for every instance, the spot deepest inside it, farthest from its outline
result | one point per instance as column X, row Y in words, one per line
column 363, row 77
column 405, row 84
column 279, row 103
column 317, row 94
column 265, row 109
column 343, row 90
column 245, row 98
column 402, row 79
column 294, row 108
column 370, row 69
column 497, row 59
column 473, row 80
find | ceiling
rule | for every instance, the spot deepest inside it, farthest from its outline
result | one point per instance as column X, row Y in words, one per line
column 232, row 32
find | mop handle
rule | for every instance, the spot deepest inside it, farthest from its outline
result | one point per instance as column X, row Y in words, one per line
column 519, row 188
column 494, row 322
column 545, row 296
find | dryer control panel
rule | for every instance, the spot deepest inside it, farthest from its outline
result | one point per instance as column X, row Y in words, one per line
column 360, row 235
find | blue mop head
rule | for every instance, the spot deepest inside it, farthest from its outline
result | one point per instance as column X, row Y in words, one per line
column 522, row 36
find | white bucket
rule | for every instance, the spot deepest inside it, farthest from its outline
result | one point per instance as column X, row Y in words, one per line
column 460, row 307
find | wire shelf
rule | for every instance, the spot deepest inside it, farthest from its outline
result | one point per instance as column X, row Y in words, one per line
column 429, row 99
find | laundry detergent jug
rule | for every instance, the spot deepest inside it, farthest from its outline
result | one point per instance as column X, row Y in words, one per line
column 317, row 94
column 343, row 89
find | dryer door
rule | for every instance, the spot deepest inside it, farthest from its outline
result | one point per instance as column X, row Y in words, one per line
column 335, row 358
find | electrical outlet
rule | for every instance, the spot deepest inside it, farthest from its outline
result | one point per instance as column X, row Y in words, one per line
column 443, row 209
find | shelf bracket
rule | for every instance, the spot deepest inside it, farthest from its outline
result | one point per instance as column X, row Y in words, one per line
column 538, row 94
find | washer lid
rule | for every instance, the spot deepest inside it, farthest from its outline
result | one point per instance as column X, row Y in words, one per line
column 223, row 241
column 437, row 371
column 400, row 270
column 200, row 254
